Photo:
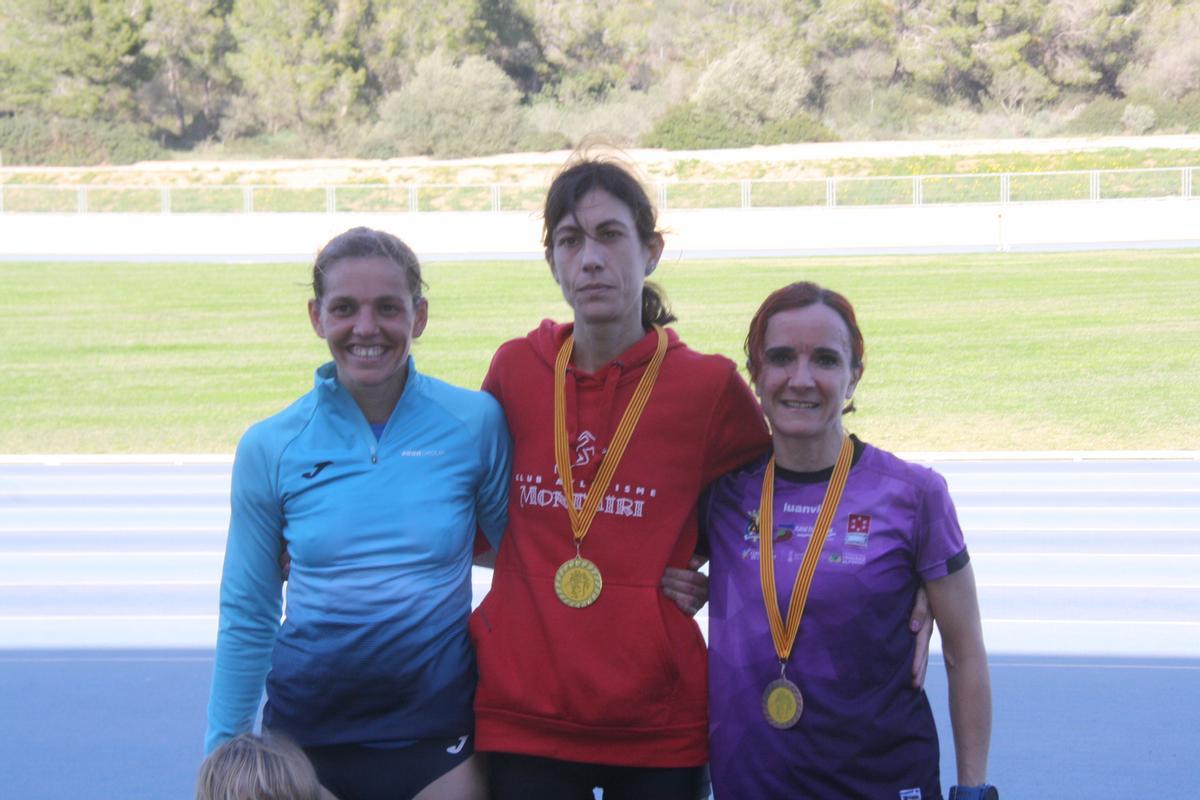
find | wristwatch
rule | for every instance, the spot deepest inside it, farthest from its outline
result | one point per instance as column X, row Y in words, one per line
column 983, row 791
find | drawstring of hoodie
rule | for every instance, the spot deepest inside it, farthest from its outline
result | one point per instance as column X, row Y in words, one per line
column 609, row 413
column 602, row 421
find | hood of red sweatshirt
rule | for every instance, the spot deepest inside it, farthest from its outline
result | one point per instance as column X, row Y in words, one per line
column 548, row 337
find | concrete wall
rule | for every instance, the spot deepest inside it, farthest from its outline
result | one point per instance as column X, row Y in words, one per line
column 692, row 233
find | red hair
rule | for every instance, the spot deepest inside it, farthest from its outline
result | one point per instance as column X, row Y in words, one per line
column 800, row 295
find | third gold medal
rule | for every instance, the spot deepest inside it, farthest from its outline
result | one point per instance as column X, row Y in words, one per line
column 782, row 703
column 577, row 582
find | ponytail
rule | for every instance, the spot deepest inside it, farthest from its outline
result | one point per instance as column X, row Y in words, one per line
column 655, row 310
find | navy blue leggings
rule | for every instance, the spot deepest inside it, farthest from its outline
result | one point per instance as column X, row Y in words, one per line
column 354, row 772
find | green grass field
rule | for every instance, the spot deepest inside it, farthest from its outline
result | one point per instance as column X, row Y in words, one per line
column 1002, row 352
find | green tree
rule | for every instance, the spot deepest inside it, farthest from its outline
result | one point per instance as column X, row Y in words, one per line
column 73, row 58
column 1013, row 81
column 505, row 33
column 189, row 40
column 585, row 58
column 751, row 85
column 1017, row 54
column 1088, row 42
column 695, row 33
column 299, row 63
column 1012, row 53
column 841, row 27
column 396, row 34
column 450, row 110
column 1167, row 54
column 935, row 48
column 591, row 49
column 861, row 92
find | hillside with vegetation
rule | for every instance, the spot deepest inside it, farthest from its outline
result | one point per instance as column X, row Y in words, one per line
column 112, row 82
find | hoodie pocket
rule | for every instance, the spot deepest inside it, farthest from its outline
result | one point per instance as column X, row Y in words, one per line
column 621, row 666
column 607, row 665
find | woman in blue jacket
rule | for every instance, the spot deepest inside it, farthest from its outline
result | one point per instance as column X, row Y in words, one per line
column 374, row 484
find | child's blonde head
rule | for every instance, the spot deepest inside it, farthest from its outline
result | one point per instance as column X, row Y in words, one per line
column 250, row 767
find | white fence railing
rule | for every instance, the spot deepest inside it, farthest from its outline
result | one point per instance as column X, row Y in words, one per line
column 916, row 190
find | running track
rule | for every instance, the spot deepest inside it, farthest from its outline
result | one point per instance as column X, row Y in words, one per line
column 1089, row 573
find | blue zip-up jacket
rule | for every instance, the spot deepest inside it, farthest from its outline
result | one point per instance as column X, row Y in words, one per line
column 374, row 646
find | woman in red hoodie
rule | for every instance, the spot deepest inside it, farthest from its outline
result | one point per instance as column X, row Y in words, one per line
column 589, row 675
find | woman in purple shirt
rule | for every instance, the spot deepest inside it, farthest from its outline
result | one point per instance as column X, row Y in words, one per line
column 810, row 692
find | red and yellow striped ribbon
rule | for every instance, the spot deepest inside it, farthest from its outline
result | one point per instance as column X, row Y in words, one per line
column 785, row 638
column 581, row 519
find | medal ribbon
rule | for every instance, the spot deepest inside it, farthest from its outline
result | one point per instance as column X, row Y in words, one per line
column 581, row 519
column 785, row 638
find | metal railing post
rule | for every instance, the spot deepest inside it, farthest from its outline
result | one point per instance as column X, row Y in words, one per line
column 831, row 192
column 495, row 197
column 1185, row 187
column 248, row 199
column 330, row 199
column 414, row 202
column 1005, row 189
column 1094, row 185
column 745, row 194
column 918, row 190
column 81, row 199
column 660, row 189
column 165, row 200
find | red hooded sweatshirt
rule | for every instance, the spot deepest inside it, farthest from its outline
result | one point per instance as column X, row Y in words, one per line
column 624, row 680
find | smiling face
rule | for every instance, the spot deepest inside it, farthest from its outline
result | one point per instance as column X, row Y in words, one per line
column 599, row 260
column 806, row 378
column 367, row 316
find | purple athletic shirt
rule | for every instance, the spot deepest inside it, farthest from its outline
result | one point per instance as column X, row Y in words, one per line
column 865, row 733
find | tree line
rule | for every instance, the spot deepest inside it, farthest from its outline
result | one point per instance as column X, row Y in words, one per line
column 380, row 78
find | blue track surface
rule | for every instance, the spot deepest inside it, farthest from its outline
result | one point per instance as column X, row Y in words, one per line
column 127, row 724
column 1089, row 575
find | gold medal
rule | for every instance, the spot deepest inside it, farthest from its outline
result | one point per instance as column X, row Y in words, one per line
column 782, row 703
column 577, row 582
